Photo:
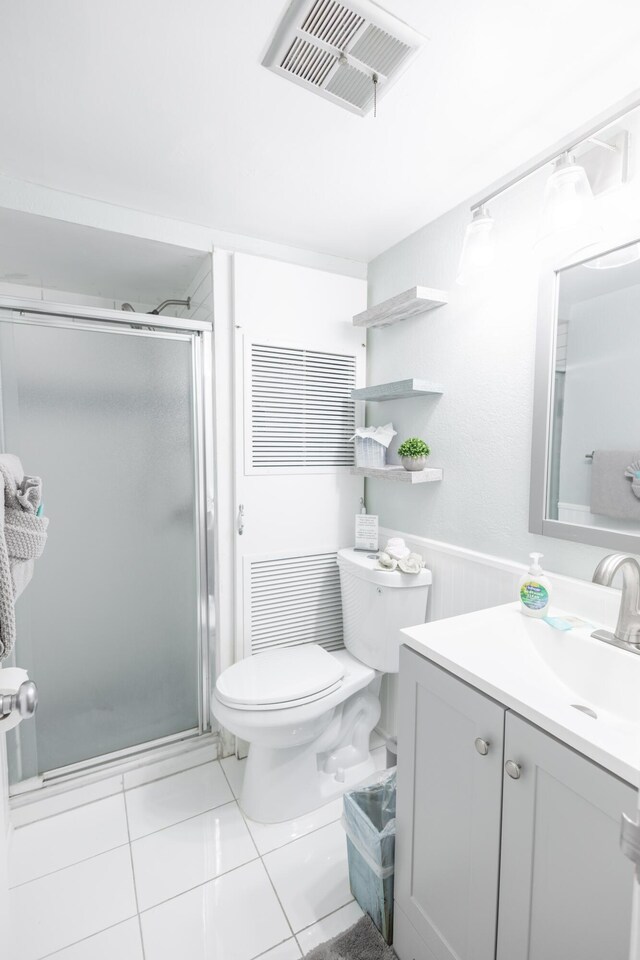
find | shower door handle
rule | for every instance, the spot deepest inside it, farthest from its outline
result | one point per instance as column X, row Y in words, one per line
column 25, row 701
column 241, row 519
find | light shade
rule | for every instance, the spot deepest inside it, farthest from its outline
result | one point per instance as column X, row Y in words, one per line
column 478, row 248
column 568, row 217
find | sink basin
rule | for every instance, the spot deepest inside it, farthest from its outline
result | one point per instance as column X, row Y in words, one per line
column 581, row 690
column 595, row 674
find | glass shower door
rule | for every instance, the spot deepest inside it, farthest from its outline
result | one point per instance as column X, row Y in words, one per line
column 109, row 626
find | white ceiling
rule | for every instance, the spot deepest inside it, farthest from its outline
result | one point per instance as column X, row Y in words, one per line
column 164, row 107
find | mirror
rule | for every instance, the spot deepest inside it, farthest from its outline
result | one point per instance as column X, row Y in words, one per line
column 585, row 482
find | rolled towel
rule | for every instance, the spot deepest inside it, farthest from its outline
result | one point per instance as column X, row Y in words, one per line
column 411, row 564
column 387, row 562
column 397, row 548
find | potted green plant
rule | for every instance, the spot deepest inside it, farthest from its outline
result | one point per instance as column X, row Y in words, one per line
column 413, row 453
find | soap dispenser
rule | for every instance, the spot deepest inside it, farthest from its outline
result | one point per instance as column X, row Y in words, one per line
column 534, row 590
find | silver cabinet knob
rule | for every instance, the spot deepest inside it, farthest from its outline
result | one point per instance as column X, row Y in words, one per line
column 482, row 746
column 513, row 769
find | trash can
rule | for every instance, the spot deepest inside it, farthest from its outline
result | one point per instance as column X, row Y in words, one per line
column 369, row 820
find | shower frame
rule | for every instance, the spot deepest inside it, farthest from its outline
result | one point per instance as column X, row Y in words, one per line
column 200, row 334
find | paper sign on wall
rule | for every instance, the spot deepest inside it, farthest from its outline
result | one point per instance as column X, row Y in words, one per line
column 366, row 532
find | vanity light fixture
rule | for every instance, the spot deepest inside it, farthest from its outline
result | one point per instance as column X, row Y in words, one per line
column 568, row 206
column 478, row 247
column 568, row 210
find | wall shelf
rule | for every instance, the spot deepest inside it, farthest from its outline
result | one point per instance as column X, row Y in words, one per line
column 397, row 390
column 399, row 474
column 410, row 303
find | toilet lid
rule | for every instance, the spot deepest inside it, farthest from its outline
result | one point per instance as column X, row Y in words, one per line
column 280, row 676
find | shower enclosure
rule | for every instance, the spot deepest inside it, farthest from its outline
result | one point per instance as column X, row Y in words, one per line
column 112, row 411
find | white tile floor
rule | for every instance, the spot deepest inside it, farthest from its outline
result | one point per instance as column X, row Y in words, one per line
column 152, row 869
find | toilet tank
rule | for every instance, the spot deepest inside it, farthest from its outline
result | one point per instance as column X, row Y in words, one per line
column 376, row 605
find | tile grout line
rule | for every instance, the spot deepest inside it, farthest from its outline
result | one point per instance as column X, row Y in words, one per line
column 259, row 956
column 61, row 813
column 69, row 866
column 133, row 873
column 193, row 816
column 197, row 886
column 121, row 789
column 264, row 866
column 326, row 917
column 174, row 773
column 75, row 943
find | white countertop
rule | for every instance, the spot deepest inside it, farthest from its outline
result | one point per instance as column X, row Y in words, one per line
column 539, row 672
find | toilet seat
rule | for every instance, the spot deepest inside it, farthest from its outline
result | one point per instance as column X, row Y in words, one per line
column 280, row 678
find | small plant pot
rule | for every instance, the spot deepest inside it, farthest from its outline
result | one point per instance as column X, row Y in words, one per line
column 414, row 463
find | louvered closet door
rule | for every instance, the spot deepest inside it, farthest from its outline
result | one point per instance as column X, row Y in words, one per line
column 297, row 358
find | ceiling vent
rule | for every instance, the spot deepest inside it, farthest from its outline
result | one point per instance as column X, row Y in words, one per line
column 345, row 52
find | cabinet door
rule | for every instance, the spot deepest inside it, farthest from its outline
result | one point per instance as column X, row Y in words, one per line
column 449, row 801
column 565, row 886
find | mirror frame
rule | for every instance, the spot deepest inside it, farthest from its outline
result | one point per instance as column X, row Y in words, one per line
column 543, row 403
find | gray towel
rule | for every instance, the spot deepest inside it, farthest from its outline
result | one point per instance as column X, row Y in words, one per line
column 22, row 539
column 611, row 493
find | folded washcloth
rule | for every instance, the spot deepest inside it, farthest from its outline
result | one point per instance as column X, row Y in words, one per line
column 387, row 562
column 23, row 535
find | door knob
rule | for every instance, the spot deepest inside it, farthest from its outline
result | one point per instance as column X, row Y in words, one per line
column 513, row 769
column 482, row 746
column 25, row 701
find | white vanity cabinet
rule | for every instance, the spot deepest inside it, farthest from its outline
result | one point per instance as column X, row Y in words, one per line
column 507, row 840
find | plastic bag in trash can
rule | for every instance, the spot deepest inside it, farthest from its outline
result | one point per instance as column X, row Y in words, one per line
column 369, row 820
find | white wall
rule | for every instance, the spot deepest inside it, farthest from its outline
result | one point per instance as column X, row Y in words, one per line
column 480, row 347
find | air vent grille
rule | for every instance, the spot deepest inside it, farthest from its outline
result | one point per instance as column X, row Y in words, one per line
column 308, row 62
column 335, row 48
column 351, row 85
column 295, row 600
column 380, row 51
column 332, row 22
column 302, row 414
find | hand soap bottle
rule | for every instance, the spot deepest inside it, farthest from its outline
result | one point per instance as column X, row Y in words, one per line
column 534, row 590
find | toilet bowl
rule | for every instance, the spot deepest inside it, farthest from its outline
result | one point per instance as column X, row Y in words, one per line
column 308, row 713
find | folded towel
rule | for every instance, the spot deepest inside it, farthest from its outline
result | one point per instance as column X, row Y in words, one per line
column 611, row 493
column 22, row 539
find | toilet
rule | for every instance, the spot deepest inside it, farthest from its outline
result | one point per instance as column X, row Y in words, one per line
column 307, row 713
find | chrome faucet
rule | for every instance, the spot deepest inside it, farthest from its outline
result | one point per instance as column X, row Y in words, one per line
column 627, row 632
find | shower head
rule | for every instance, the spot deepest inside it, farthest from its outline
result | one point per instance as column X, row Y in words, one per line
column 161, row 306
column 168, row 303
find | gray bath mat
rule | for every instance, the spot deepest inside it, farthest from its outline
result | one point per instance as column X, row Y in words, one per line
column 360, row 942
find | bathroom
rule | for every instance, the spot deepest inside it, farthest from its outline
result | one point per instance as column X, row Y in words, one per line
column 219, row 276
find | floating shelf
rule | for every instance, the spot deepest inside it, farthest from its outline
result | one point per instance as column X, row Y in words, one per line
column 412, row 302
column 399, row 474
column 398, row 390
